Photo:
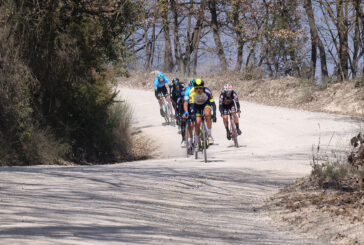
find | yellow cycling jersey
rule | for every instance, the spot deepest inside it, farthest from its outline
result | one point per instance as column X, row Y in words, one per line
column 202, row 98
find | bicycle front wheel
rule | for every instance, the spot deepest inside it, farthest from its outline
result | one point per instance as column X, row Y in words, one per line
column 186, row 137
column 166, row 112
column 234, row 134
column 204, row 140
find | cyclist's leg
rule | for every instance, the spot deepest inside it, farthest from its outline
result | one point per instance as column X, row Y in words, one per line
column 207, row 111
column 183, row 129
column 160, row 100
column 225, row 118
column 189, row 128
column 236, row 119
column 179, row 106
column 198, row 123
column 174, row 103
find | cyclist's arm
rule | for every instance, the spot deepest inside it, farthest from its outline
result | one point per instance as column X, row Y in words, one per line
column 211, row 99
column 192, row 101
column 169, row 84
column 221, row 99
column 186, row 99
column 155, row 82
column 236, row 98
column 167, row 81
column 209, row 93
column 214, row 107
column 185, row 106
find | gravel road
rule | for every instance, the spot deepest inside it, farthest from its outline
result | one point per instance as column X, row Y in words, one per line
column 171, row 199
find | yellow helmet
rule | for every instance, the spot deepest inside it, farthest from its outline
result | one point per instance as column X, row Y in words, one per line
column 199, row 83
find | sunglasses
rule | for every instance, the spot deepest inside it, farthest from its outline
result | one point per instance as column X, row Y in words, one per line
column 228, row 92
column 199, row 87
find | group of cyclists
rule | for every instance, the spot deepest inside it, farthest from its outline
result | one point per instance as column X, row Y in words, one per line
column 193, row 101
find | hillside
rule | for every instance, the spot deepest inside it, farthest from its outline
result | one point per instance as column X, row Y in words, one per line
column 346, row 98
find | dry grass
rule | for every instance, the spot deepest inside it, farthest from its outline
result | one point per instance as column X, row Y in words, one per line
column 329, row 203
column 331, row 215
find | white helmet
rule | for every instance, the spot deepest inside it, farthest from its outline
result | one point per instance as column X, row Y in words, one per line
column 228, row 87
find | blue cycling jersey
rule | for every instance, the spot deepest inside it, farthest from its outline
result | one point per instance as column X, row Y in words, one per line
column 158, row 84
column 187, row 94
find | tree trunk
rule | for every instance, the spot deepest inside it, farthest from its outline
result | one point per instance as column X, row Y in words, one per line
column 197, row 34
column 239, row 36
column 153, row 39
column 148, row 47
column 316, row 42
column 168, row 60
column 216, row 35
column 177, row 44
column 343, row 30
column 188, row 43
column 356, row 54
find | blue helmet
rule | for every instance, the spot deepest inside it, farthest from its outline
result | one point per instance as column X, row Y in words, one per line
column 160, row 76
column 192, row 81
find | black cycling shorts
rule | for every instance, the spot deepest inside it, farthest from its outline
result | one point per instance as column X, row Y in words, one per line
column 227, row 108
column 161, row 90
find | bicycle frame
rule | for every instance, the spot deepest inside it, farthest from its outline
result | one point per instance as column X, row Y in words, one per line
column 165, row 106
column 233, row 131
column 203, row 139
column 186, row 137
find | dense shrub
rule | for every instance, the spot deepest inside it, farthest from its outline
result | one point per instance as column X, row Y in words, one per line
column 55, row 99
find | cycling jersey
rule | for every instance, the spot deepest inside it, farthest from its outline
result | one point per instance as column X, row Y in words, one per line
column 187, row 94
column 177, row 95
column 177, row 91
column 202, row 98
column 199, row 101
column 159, row 84
column 226, row 103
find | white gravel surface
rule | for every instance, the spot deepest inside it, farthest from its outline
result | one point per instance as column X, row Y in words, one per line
column 171, row 199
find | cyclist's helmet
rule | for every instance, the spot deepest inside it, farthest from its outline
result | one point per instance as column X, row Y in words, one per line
column 175, row 81
column 160, row 76
column 228, row 88
column 199, row 83
column 192, row 81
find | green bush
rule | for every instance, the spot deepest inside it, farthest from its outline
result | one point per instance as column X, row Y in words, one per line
column 51, row 104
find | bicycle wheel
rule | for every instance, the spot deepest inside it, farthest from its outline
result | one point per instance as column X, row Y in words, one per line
column 204, row 140
column 186, row 137
column 196, row 146
column 166, row 115
column 234, row 133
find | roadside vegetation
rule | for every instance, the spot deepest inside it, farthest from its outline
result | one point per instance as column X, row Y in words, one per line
column 329, row 203
column 56, row 95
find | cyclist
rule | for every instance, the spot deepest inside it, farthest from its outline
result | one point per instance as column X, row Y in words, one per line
column 229, row 101
column 202, row 100
column 187, row 112
column 159, row 88
column 177, row 96
column 177, row 93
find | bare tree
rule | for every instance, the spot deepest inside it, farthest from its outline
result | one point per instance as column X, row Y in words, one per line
column 168, row 60
column 216, row 34
column 315, row 43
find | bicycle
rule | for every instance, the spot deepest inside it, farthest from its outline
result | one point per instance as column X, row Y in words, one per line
column 233, row 131
column 184, row 128
column 167, row 112
column 204, row 141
